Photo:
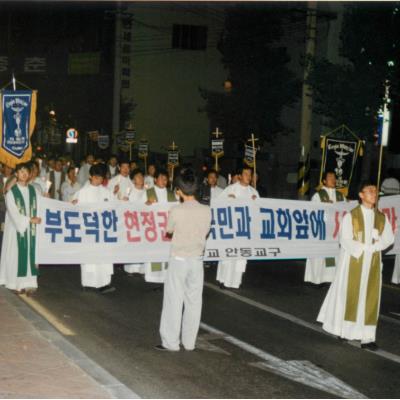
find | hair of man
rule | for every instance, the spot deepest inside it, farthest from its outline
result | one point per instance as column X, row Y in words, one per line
column 187, row 182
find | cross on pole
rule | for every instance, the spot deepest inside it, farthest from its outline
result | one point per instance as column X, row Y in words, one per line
column 253, row 141
column 217, row 134
column 173, row 146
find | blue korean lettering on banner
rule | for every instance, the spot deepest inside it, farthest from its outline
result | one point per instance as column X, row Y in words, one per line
column 243, row 222
column 91, row 221
column 110, row 220
column 305, row 224
column 16, row 111
column 224, row 219
column 69, row 217
column 53, row 224
column 268, row 224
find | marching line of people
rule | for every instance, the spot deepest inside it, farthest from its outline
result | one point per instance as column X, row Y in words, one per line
column 350, row 309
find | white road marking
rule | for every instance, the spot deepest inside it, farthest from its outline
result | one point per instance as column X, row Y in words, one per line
column 303, row 372
column 299, row 321
column 45, row 313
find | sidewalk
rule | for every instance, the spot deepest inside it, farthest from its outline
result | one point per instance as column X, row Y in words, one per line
column 36, row 361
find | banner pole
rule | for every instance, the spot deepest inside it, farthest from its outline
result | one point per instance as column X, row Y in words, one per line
column 255, row 161
column 14, row 83
column 378, row 180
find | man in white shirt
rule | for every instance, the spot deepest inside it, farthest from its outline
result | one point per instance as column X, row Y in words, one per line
column 121, row 185
column 56, row 177
column 149, row 178
column 322, row 270
column 97, row 276
column 229, row 272
column 83, row 174
column 138, row 194
column 70, row 186
column 112, row 166
column 209, row 190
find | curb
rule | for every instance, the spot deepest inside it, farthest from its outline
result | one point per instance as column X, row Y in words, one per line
column 108, row 382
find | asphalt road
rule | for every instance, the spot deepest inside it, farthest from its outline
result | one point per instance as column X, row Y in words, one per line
column 261, row 341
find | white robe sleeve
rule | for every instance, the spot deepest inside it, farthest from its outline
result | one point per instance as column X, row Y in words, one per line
column 20, row 222
column 226, row 192
column 316, row 198
column 351, row 246
column 386, row 239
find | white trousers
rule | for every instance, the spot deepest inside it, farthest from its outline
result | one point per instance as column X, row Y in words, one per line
column 183, row 289
column 230, row 272
column 96, row 275
column 134, row 268
column 396, row 270
column 317, row 272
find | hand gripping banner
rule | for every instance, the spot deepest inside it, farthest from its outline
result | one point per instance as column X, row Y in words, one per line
column 17, row 122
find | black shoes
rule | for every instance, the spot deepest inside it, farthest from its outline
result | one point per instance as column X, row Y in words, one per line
column 372, row 346
column 160, row 347
column 107, row 289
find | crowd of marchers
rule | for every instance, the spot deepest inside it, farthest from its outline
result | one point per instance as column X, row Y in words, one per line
column 351, row 307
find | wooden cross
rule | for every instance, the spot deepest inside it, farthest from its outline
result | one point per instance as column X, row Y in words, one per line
column 173, row 146
column 217, row 133
column 253, row 141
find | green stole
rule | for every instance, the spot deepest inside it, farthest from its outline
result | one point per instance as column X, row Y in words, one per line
column 324, row 197
column 152, row 196
column 22, row 239
column 355, row 269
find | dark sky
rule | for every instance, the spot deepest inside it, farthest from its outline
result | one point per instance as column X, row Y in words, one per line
column 52, row 31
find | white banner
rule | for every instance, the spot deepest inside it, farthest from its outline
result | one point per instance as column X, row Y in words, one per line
column 127, row 232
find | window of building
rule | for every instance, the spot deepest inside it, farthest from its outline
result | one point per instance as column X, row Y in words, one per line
column 189, row 37
column 126, row 71
column 125, row 84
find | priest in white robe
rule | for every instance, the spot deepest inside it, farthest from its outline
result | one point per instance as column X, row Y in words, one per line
column 155, row 272
column 230, row 272
column 18, row 270
column 351, row 307
column 96, row 276
column 121, row 185
column 137, row 195
column 322, row 270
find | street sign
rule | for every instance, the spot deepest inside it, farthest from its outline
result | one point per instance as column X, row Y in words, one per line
column 71, row 135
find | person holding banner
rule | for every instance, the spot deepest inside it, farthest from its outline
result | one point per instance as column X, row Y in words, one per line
column 351, row 307
column 155, row 272
column 322, row 270
column 121, row 185
column 138, row 194
column 183, row 288
column 18, row 270
column 209, row 190
column 229, row 272
column 96, row 276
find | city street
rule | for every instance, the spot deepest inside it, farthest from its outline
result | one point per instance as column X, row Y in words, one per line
column 261, row 341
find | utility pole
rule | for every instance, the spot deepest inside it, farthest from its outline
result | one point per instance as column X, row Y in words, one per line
column 303, row 184
column 306, row 108
column 117, row 79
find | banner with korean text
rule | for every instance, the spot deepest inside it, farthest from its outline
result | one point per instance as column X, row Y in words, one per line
column 128, row 232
